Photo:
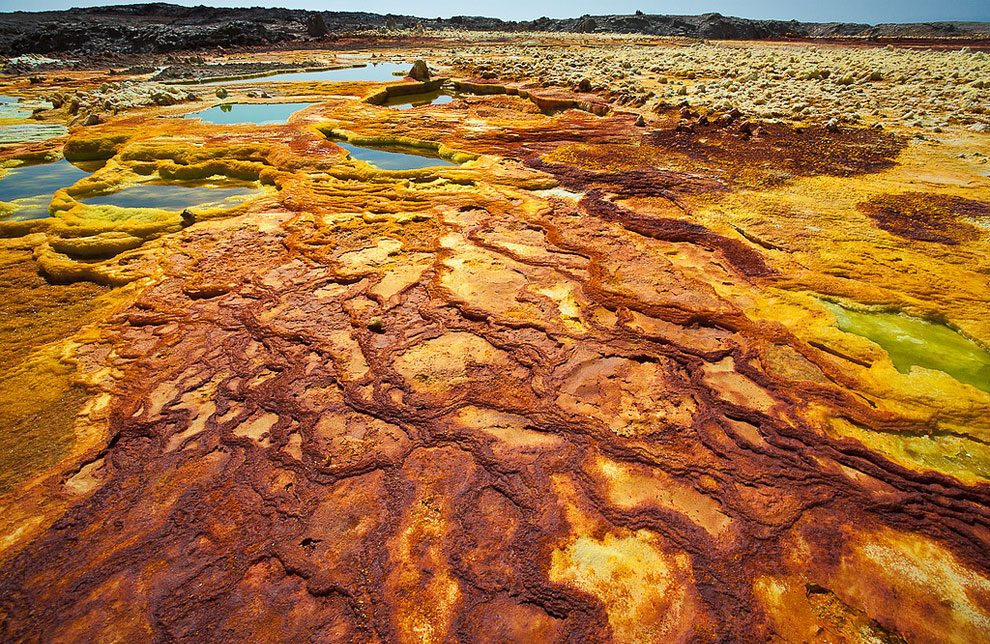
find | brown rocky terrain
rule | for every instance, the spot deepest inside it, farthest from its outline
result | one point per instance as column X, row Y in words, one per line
column 161, row 27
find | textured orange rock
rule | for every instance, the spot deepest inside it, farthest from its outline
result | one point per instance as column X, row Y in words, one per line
column 580, row 387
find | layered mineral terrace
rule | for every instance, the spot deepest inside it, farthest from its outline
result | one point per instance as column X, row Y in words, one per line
column 648, row 341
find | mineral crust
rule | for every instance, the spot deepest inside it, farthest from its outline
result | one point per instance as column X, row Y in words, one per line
column 590, row 382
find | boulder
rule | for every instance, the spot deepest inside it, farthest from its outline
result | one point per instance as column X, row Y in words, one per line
column 420, row 71
column 316, row 26
column 586, row 25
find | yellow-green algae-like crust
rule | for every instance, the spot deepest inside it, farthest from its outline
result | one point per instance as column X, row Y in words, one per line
column 593, row 384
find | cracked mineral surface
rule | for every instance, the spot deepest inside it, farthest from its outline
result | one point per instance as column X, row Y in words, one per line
column 625, row 364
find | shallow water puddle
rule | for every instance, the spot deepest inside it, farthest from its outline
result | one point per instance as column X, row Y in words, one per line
column 172, row 196
column 416, row 100
column 258, row 113
column 391, row 160
column 31, row 187
column 22, row 132
column 10, row 108
column 377, row 73
column 26, row 132
column 914, row 342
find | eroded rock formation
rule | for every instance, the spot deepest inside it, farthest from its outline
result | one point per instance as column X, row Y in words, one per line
column 581, row 386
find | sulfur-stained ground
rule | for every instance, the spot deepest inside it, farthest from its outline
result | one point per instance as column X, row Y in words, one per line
column 620, row 373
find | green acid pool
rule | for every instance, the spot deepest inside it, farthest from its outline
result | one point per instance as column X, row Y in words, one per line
column 913, row 342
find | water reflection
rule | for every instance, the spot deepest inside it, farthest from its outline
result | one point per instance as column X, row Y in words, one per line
column 175, row 197
column 31, row 187
column 375, row 72
column 417, row 100
column 384, row 159
column 258, row 113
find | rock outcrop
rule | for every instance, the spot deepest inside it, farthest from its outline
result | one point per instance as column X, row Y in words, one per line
column 420, row 71
column 316, row 26
column 158, row 27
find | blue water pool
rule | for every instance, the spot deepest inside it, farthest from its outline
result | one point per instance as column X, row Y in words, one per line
column 258, row 113
column 393, row 160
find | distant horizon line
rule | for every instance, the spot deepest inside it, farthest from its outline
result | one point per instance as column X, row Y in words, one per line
column 490, row 17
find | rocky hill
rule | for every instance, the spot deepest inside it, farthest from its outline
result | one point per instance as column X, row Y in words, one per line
column 160, row 27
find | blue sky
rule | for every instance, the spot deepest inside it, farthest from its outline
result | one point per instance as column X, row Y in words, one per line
column 871, row 11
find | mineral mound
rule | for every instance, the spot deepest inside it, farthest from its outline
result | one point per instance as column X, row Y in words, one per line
column 592, row 338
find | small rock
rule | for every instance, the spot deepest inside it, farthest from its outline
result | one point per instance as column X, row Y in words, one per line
column 163, row 99
column 221, row 93
column 832, row 125
column 420, row 71
column 376, row 325
column 640, row 121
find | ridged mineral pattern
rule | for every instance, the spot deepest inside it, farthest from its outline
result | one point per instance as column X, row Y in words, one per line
column 584, row 386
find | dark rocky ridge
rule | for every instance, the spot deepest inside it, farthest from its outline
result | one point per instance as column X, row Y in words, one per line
column 160, row 27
